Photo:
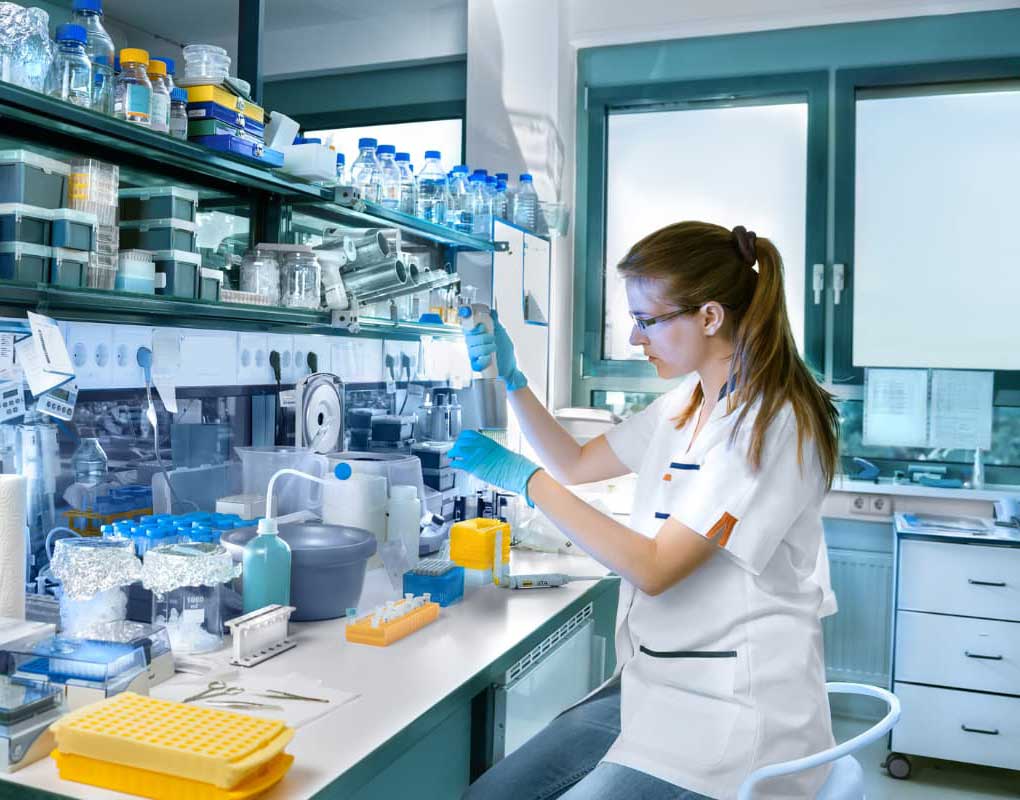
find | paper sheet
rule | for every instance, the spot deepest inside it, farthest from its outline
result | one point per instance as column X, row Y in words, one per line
column 6, row 352
column 166, row 364
column 896, row 407
column 961, row 409
column 50, row 344
column 33, row 365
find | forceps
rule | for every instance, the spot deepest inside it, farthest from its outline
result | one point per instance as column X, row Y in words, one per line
column 216, row 689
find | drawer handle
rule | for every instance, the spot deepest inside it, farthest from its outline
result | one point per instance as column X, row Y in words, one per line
column 979, row 655
column 985, row 583
column 993, row 732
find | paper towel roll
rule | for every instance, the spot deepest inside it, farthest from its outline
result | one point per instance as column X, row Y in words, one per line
column 12, row 546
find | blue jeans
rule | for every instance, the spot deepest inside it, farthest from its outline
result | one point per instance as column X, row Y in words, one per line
column 562, row 761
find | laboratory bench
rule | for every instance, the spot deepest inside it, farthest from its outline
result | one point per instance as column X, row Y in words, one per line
column 421, row 724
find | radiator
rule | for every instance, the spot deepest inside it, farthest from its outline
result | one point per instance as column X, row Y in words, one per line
column 858, row 636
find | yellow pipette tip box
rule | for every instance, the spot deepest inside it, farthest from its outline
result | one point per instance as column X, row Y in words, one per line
column 362, row 632
column 202, row 745
column 159, row 786
column 473, row 542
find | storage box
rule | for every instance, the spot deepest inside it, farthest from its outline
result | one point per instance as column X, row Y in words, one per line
column 28, row 224
column 221, row 97
column 237, row 146
column 158, row 234
column 177, row 273
column 439, row 479
column 73, row 229
column 213, row 127
column 158, row 202
column 210, row 283
column 69, row 267
column 32, row 179
column 236, row 120
column 25, row 263
column 311, row 161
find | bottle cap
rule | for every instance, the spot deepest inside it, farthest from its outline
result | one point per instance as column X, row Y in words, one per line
column 385, row 149
column 157, row 67
column 134, row 55
column 503, row 176
column 433, row 154
column 340, row 158
column 170, row 64
column 179, row 95
column 403, row 157
column 69, row 32
column 368, row 141
column 88, row 5
column 343, row 471
column 526, row 177
column 461, row 168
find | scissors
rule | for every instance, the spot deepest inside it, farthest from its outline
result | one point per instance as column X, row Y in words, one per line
column 216, row 689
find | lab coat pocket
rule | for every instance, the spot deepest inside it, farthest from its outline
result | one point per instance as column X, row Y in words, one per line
column 685, row 708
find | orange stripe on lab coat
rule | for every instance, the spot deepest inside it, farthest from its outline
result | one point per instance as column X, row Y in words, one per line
column 721, row 531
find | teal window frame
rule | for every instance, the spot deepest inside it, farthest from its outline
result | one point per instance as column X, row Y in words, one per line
column 939, row 48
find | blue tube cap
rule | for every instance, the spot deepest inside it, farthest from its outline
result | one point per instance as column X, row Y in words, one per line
column 69, row 32
column 343, row 471
column 464, row 312
column 368, row 141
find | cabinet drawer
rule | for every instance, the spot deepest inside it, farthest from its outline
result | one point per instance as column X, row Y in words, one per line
column 958, row 726
column 978, row 654
column 970, row 580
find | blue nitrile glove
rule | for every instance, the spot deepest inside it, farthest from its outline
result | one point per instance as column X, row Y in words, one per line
column 493, row 463
column 482, row 344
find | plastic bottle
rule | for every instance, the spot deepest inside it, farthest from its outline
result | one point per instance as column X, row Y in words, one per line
column 341, row 170
column 99, row 47
column 526, row 204
column 364, row 171
column 481, row 207
column 408, row 185
column 179, row 113
column 71, row 75
column 403, row 519
column 432, row 189
column 266, row 569
column 89, row 463
column 458, row 214
column 134, row 90
column 171, row 67
column 500, row 202
column 160, row 118
column 389, row 177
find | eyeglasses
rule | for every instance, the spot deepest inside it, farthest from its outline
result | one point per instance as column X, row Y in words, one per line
column 644, row 323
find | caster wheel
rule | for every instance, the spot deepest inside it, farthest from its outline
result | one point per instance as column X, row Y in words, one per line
column 898, row 766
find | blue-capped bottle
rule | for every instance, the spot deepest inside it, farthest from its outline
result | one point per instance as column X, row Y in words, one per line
column 526, row 204
column 99, row 48
column 432, row 189
column 389, row 177
column 481, row 207
column 71, row 72
column 458, row 213
column 408, row 185
column 365, row 170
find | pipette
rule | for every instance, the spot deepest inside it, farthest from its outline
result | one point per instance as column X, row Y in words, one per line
column 549, row 580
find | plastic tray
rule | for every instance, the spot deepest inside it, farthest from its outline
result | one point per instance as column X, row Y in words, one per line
column 243, row 148
column 27, row 177
column 235, row 119
column 443, row 589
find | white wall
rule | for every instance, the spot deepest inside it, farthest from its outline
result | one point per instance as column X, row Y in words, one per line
column 522, row 85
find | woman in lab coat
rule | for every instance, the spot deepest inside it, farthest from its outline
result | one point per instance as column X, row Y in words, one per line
column 719, row 643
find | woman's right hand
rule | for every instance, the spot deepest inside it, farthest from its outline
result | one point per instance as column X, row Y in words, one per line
column 482, row 346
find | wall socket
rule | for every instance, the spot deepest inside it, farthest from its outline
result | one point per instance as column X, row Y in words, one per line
column 877, row 504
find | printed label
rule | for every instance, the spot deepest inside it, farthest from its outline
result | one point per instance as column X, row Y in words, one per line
column 160, row 112
column 138, row 100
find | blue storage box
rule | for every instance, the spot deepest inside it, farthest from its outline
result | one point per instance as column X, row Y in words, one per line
column 75, row 230
column 177, row 272
column 25, row 263
column 158, row 202
column 158, row 234
column 69, row 268
column 27, row 177
column 237, row 146
column 21, row 223
column 444, row 589
column 236, row 119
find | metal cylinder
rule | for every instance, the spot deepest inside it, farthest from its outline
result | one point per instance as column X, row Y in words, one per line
column 372, row 246
column 378, row 280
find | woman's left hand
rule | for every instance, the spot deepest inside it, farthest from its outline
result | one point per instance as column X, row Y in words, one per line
column 493, row 463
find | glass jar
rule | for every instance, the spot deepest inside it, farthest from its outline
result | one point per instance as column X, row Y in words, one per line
column 160, row 119
column 92, row 572
column 301, row 277
column 179, row 113
column 260, row 273
column 71, row 73
column 133, row 99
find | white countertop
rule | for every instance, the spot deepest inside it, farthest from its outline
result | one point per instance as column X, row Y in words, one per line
column 396, row 684
column 990, row 493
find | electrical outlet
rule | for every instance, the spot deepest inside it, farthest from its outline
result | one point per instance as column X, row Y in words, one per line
column 874, row 504
column 880, row 504
column 859, row 504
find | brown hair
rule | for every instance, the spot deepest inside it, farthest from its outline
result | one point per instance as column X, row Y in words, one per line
column 697, row 263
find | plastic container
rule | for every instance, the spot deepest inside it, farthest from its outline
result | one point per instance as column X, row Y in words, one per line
column 260, row 273
column 89, row 463
column 389, row 177
column 216, row 127
column 100, row 50
column 69, row 268
column 433, row 190
column 459, row 214
column 179, row 113
column 136, row 272
column 75, row 230
column 71, row 74
column 102, row 272
column 403, row 519
column 161, row 87
column 398, row 469
column 221, row 97
column 258, row 464
column 310, row 161
column 526, row 204
column 473, row 543
column 179, row 271
column 481, row 207
column 341, row 170
column 300, row 280
column 158, row 234
column 328, row 564
column 158, row 202
column 444, row 589
column 28, row 224
column 25, row 263
column 365, row 169
column 205, row 62
column 280, row 130
column 237, row 122
column 239, row 146
column 210, row 283
column 133, row 98
column 32, row 179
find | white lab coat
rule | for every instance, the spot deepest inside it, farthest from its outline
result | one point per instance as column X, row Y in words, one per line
column 723, row 672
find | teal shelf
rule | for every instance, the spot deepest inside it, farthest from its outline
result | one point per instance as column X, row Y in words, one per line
column 94, row 305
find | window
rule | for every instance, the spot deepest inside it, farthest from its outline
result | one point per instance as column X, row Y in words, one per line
column 741, row 165
column 444, row 135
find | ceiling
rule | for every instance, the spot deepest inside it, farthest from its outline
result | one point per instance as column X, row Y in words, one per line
column 181, row 20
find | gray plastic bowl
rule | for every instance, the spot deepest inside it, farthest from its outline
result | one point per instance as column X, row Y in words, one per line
column 327, row 569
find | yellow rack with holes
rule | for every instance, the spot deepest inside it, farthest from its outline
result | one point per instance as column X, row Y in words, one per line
column 362, row 632
column 90, row 523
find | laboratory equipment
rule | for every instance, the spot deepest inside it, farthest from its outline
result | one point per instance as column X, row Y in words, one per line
column 549, row 580
column 488, row 388
column 300, row 279
column 392, row 622
column 260, row 635
column 266, row 561
column 136, row 271
column 403, row 519
column 432, row 189
column 260, row 273
column 171, row 750
column 89, row 463
column 500, row 200
column 310, row 160
column 320, row 412
column 69, row 268
column 37, row 460
column 399, row 469
column 281, row 130
column 341, row 170
column 364, row 171
column 71, row 73
column 214, row 689
column 186, row 581
column 27, row 708
column 31, row 179
column 259, row 464
column 12, row 402
column 244, row 506
column 92, row 572
column 442, row 580
column 99, row 48
column 205, row 62
column 208, row 101
column 459, row 214
column 177, row 273
column 25, row 51
column 408, row 185
column 133, row 95
column 389, row 177
column 158, row 234
column 75, row 230
column 24, row 263
column 526, row 204
column 179, row 113
column 473, row 545
column 24, row 223
column 327, row 565
column 153, row 640
column 480, row 205
column 158, row 202
column 160, row 116
column 376, row 281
